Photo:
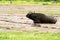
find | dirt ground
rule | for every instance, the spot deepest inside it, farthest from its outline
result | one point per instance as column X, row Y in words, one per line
column 13, row 20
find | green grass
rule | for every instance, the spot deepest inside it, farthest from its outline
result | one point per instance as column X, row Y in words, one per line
column 29, row 36
column 29, row 3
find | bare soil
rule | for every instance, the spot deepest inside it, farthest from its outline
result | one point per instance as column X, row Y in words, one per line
column 13, row 20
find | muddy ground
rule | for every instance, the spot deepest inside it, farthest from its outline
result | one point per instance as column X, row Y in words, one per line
column 13, row 20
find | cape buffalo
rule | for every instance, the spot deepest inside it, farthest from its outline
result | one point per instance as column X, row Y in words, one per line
column 41, row 18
